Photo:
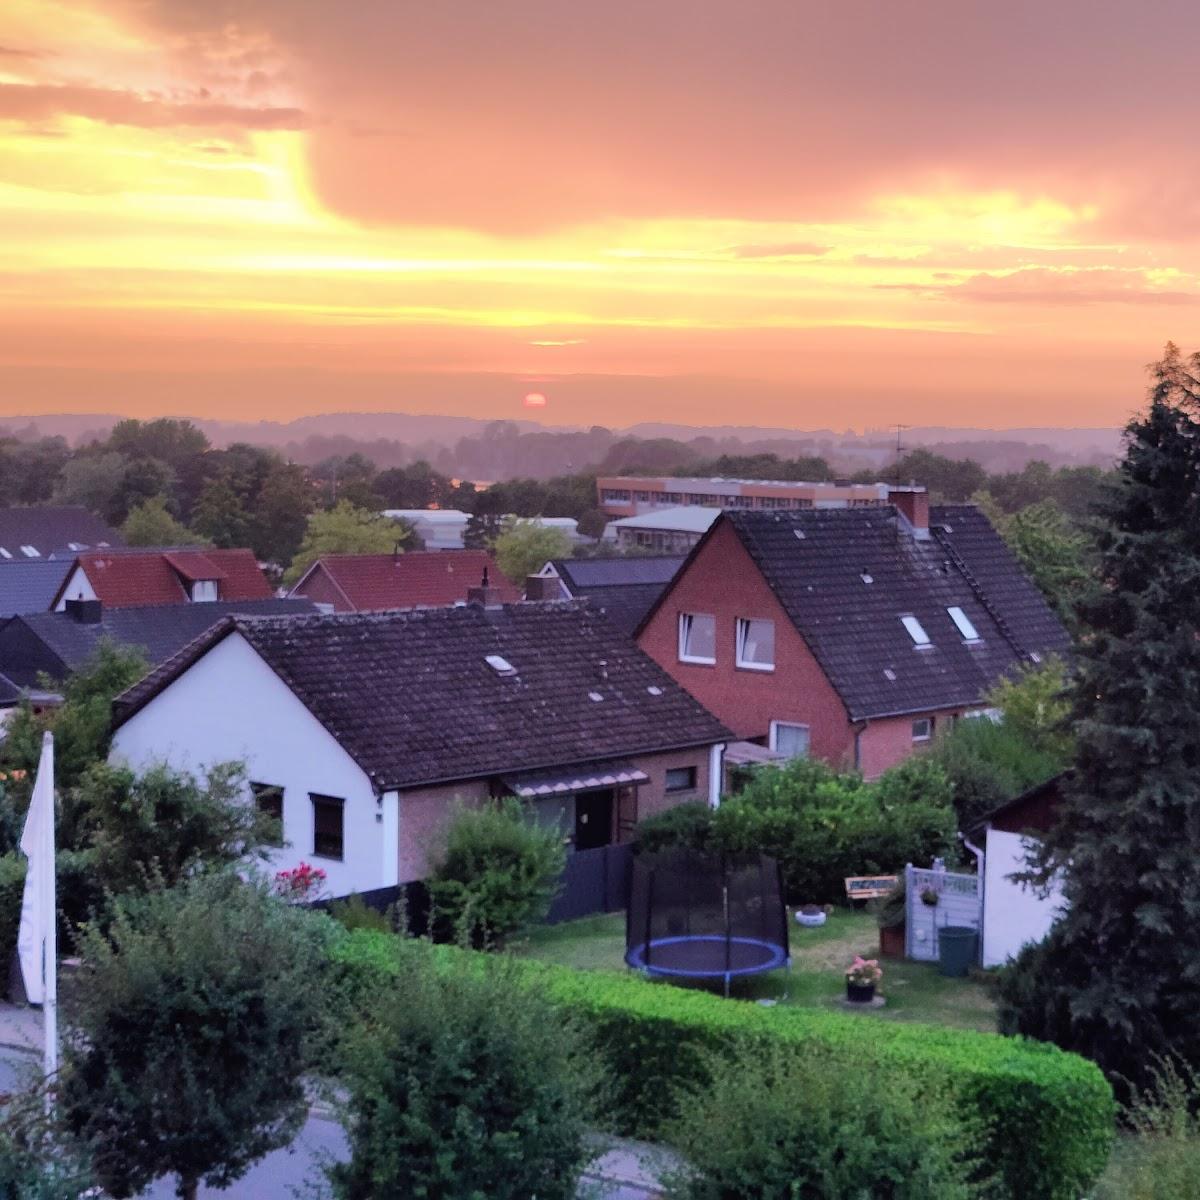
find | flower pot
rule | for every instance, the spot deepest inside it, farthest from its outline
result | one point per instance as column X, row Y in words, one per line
column 810, row 919
column 860, row 993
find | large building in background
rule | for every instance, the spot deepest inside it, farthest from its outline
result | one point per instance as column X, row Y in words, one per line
column 631, row 496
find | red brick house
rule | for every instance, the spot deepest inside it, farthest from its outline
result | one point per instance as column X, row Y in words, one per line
column 419, row 579
column 853, row 635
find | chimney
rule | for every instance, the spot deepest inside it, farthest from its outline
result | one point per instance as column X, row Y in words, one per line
column 912, row 503
column 485, row 594
column 84, row 612
column 543, row 587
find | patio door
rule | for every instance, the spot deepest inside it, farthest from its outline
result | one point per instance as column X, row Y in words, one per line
column 593, row 819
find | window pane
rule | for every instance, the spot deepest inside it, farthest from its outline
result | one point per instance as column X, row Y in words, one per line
column 922, row 729
column 963, row 623
column 327, row 826
column 268, row 799
column 681, row 779
column 916, row 631
column 756, row 642
column 791, row 740
column 698, row 636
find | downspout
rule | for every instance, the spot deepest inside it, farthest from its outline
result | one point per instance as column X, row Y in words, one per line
column 716, row 770
column 858, row 732
column 980, row 860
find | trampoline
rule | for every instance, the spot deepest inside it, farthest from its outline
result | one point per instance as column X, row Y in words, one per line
column 693, row 916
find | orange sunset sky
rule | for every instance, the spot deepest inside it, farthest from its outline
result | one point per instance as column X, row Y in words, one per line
column 784, row 212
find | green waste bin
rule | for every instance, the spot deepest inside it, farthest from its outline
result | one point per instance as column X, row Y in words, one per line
column 956, row 949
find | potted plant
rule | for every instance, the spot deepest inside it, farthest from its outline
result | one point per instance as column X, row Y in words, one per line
column 930, row 896
column 862, row 976
column 892, row 916
column 811, row 915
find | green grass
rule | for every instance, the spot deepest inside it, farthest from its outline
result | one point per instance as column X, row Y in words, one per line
column 914, row 991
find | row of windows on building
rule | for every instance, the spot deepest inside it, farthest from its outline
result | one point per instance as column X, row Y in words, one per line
column 754, row 641
column 710, row 500
column 792, row 740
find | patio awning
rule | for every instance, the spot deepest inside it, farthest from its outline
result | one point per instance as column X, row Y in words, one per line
column 574, row 779
column 745, row 754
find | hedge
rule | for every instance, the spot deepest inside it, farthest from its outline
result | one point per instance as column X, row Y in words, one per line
column 12, row 891
column 1049, row 1114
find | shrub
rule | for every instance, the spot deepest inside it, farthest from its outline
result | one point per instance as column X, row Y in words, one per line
column 1161, row 1158
column 353, row 913
column 686, row 825
column 1048, row 1114
column 774, row 1126
column 497, row 875
column 188, row 1036
column 822, row 825
column 12, row 891
column 36, row 1163
column 463, row 1084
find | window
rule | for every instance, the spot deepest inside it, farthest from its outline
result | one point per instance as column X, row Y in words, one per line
column 643, row 497
column 645, row 539
column 328, row 819
column 790, row 740
column 268, row 799
column 30, row 552
column 755, row 644
column 681, row 779
column 499, row 664
column 204, row 591
column 916, row 631
column 615, row 494
column 922, row 729
column 963, row 623
column 697, row 638
column 5, row 553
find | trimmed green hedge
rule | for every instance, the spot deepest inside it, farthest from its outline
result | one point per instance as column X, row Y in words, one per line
column 1049, row 1114
column 12, row 890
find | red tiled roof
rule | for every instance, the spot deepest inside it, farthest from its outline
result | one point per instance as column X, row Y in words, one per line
column 427, row 578
column 128, row 577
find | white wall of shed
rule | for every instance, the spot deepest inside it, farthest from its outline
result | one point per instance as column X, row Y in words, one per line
column 1014, row 914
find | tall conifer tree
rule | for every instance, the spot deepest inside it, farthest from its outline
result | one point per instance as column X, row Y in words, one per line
column 1118, row 978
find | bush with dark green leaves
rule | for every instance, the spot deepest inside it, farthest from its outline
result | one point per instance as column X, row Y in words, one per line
column 687, row 826
column 188, row 1032
column 1047, row 1115
column 778, row 1125
column 822, row 825
column 36, row 1162
column 12, row 891
column 464, row 1085
column 496, row 876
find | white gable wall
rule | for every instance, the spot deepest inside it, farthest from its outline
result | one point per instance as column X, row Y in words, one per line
column 1014, row 914
column 79, row 587
column 231, row 705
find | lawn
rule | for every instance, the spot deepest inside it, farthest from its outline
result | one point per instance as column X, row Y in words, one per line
column 914, row 991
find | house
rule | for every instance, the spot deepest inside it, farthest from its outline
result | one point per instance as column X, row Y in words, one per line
column 445, row 528
column 31, row 584
column 624, row 588
column 421, row 578
column 664, row 531
column 629, row 496
column 364, row 730
column 129, row 577
column 58, row 643
column 44, row 529
column 851, row 634
column 1014, row 913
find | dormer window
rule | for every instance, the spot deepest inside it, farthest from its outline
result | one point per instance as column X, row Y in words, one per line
column 204, row 591
column 963, row 624
column 916, row 631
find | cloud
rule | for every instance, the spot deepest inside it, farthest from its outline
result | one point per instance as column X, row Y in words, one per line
column 114, row 106
column 1048, row 286
column 16, row 52
column 782, row 250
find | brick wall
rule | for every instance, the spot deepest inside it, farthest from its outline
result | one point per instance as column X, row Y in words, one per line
column 320, row 589
column 885, row 743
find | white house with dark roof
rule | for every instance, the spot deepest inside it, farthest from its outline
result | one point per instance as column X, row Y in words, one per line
column 364, row 730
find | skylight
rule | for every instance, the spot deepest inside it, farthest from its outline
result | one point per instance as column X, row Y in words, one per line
column 5, row 553
column 30, row 552
column 654, row 690
column 499, row 664
column 916, row 631
column 866, row 576
column 889, row 674
column 963, row 622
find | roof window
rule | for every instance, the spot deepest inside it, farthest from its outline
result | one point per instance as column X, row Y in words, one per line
column 916, row 631
column 799, row 533
column 963, row 623
column 654, row 690
column 1034, row 656
column 499, row 664
column 5, row 553
column 596, row 696
column 889, row 674
column 30, row 552
column 76, row 546
column 866, row 576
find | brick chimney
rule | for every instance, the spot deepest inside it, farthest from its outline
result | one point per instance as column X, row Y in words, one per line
column 485, row 594
column 84, row 612
column 543, row 587
column 912, row 503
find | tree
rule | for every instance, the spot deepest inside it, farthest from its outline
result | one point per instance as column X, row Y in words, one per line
column 188, row 1033
column 280, row 514
column 94, row 481
column 345, row 529
column 166, row 824
column 465, row 1083
column 524, row 547
column 415, row 486
column 947, row 478
column 1117, row 977
column 36, row 1162
column 1034, row 703
column 497, row 874
column 220, row 516
column 151, row 524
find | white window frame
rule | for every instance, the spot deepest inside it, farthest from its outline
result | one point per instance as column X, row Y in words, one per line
column 916, row 631
column 773, row 738
column 963, row 624
column 205, row 591
column 741, row 636
column 693, row 777
column 685, row 625
column 927, row 736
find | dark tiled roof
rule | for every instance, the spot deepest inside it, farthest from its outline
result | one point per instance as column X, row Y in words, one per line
column 139, row 577
column 53, row 642
column 432, row 578
column 411, row 697
column 625, row 588
column 854, row 629
column 10, row 693
column 52, row 529
column 30, row 585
